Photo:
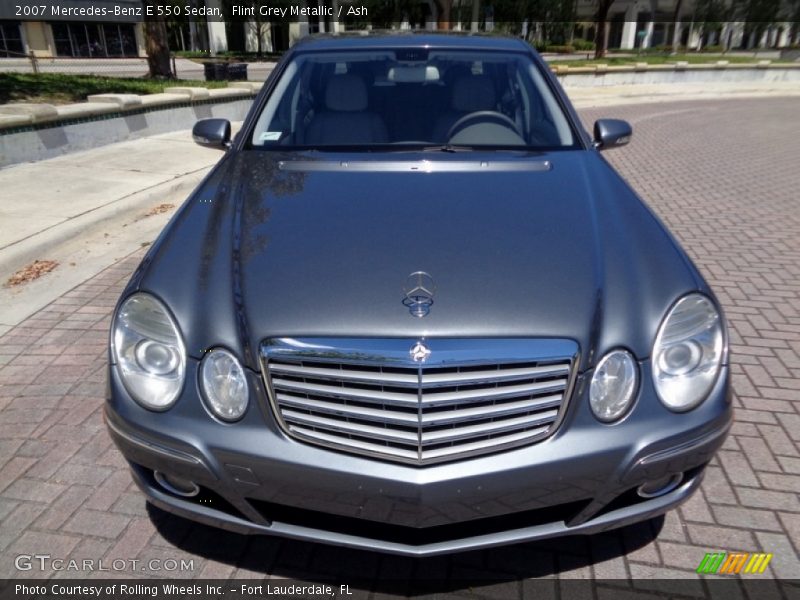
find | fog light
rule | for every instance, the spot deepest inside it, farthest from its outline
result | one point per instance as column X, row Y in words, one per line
column 176, row 485
column 660, row 486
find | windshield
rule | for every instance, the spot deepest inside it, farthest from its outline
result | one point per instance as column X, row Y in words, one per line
column 390, row 99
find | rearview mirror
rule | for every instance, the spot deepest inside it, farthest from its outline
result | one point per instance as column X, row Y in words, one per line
column 212, row 132
column 609, row 133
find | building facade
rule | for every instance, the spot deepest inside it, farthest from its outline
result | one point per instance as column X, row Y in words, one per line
column 68, row 35
column 631, row 24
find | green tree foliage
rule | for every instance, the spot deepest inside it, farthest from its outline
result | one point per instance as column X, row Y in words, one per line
column 792, row 14
column 550, row 21
column 757, row 15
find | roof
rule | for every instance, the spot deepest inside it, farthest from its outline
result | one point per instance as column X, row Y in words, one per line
column 409, row 39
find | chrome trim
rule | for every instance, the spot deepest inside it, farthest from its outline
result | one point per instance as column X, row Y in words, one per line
column 383, row 404
column 359, row 412
column 151, row 446
column 161, row 479
column 418, row 166
column 673, row 483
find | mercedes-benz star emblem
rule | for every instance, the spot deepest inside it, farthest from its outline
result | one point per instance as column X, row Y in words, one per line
column 419, row 289
column 419, row 352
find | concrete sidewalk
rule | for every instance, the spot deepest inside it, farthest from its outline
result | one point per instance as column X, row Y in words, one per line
column 122, row 67
column 88, row 209
column 615, row 95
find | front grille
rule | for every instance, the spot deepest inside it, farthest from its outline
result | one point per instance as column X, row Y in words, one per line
column 468, row 397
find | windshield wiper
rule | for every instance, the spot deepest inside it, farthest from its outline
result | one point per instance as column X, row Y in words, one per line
column 448, row 148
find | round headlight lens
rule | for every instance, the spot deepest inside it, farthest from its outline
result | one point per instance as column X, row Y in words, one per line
column 688, row 351
column 149, row 352
column 224, row 385
column 613, row 385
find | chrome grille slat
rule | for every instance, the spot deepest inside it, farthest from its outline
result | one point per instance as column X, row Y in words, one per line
column 500, row 375
column 442, row 417
column 483, row 394
column 469, row 448
column 357, row 444
column 470, row 397
column 360, row 429
column 373, row 396
column 471, row 431
column 381, row 378
column 356, row 412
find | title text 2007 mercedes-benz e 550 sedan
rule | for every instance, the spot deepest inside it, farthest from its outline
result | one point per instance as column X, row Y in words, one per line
column 414, row 309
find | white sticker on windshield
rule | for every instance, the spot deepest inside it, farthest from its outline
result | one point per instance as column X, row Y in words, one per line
column 271, row 136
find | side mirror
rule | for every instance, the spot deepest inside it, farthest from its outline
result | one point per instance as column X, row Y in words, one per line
column 609, row 133
column 212, row 132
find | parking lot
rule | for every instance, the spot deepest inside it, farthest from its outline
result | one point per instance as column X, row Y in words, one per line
column 723, row 175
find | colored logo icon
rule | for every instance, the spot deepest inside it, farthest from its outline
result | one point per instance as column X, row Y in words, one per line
column 734, row 563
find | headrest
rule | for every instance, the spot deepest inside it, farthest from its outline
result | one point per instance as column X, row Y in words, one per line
column 473, row 93
column 346, row 93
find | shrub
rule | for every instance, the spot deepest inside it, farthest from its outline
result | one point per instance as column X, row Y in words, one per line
column 580, row 44
column 565, row 49
column 713, row 49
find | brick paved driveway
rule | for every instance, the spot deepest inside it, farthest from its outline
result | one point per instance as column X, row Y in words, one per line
column 725, row 176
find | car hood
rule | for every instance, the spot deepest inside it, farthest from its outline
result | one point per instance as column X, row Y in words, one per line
column 272, row 247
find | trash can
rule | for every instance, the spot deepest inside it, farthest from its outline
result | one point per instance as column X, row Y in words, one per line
column 216, row 71
column 237, row 72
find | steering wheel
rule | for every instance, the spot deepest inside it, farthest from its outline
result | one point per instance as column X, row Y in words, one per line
column 482, row 116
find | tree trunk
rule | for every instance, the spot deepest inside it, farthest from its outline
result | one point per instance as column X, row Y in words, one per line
column 476, row 15
column 676, row 32
column 600, row 35
column 443, row 20
column 158, row 59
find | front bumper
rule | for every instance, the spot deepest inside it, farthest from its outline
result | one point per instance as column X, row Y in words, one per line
column 254, row 479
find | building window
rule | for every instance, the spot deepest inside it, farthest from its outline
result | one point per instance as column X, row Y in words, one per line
column 120, row 39
column 10, row 39
column 93, row 40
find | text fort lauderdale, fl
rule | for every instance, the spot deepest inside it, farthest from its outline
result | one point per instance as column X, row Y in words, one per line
column 298, row 11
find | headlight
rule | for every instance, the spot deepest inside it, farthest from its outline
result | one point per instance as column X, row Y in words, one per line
column 149, row 352
column 688, row 352
column 613, row 385
column 224, row 385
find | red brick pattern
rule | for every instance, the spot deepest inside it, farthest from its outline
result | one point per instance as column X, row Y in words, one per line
column 724, row 176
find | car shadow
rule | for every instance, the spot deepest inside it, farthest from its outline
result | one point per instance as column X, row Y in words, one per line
column 308, row 562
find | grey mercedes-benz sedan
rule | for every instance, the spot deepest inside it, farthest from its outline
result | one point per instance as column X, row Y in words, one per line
column 413, row 309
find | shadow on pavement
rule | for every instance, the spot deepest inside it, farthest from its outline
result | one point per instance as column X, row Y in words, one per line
column 308, row 562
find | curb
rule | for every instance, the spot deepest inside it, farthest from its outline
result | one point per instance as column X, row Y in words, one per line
column 15, row 115
column 18, row 254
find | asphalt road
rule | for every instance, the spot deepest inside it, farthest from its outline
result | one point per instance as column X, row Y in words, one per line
column 723, row 175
